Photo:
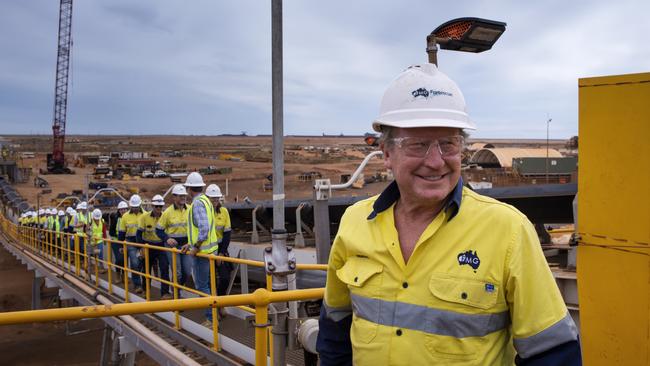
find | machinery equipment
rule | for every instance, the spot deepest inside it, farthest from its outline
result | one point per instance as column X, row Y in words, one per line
column 56, row 160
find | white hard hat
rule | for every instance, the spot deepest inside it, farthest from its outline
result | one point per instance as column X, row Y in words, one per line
column 158, row 200
column 34, row 214
column 194, row 179
column 73, row 212
column 41, row 211
column 82, row 206
column 423, row 96
column 61, row 213
column 213, row 190
column 97, row 214
column 122, row 205
column 135, row 201
column 179, row 189
column 69, row 210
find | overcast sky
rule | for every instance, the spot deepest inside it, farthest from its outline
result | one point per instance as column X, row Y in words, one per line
column 204, row 67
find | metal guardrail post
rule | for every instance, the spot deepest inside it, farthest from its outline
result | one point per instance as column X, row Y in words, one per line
column 77, row 262
column 299, row 241
column 177, row 315
column 322, row 234
column 109, row 264
column 125, row 273
column 147, row 275
column 215, row 317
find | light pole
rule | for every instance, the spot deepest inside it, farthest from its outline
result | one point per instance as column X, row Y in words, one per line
column 548, row 123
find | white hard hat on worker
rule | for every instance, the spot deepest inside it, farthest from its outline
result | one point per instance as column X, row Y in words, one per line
column 194, row 179
column 423, row 96
column 213, row 191
column 135, row 201
column 158, row 200
column 179, row 190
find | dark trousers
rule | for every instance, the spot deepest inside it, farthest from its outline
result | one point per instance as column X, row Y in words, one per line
column 159, row 258
column 223, row 276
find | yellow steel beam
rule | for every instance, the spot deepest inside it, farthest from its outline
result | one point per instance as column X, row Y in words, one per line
column 260, row 298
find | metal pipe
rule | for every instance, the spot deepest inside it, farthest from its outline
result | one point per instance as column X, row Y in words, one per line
column 278, row 123
column 300, row 239
column 108, row 189
column 66, row 198
column 356, row 172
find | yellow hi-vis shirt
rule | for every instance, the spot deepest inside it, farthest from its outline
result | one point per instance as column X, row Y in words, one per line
column 174, row 222
column 221, row 222
column 473, row 283
column 147, row 224
column 129, row 223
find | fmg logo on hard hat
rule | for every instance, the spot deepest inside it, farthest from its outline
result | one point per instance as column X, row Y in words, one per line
column 469, row 258
column 422, row 92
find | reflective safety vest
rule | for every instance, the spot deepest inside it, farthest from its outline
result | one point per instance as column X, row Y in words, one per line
column 129, row 223
column 98, row 232
column 57, row 226
column 147, row 224
column 475, row 290
column 174, row 222
column 221, row 222
column 42, row 220
column 79, row 221
column 211, row 244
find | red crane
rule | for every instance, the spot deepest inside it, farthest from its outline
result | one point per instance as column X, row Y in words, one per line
column 56, row 160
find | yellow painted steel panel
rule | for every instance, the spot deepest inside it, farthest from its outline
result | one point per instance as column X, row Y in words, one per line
column 614, row 219
column 614, row 158
column 613, row 298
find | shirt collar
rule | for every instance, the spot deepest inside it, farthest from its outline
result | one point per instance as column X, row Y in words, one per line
column 391, row 194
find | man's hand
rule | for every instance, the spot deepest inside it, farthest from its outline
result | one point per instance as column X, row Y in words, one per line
column 171, row 242
column 189, row 248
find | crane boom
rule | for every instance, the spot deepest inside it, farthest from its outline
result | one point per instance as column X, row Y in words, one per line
column 56, row 160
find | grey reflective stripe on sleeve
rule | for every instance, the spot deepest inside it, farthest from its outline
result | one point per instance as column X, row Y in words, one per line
column 561, row 332
column 336, row 314
column 180, row 224
column 227, row 229
column 428, row 320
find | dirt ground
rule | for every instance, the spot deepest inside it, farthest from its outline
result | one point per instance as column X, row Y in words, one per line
column 246, row 180
column 43, row 343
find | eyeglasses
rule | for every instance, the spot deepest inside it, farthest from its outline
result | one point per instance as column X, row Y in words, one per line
column 419, row 147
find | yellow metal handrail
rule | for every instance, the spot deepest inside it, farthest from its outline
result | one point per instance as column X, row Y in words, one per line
column 53, row 245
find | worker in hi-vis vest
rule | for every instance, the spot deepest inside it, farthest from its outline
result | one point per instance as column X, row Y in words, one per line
column 201, row 235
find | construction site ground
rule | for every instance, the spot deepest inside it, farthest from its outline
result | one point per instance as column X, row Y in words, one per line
column 247, row 177
column 329, row 156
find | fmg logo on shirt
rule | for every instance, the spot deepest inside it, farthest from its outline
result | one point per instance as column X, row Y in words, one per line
column 469, row 258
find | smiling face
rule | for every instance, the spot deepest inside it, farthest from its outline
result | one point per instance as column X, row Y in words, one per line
column 179, row 199
column 425, row 181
